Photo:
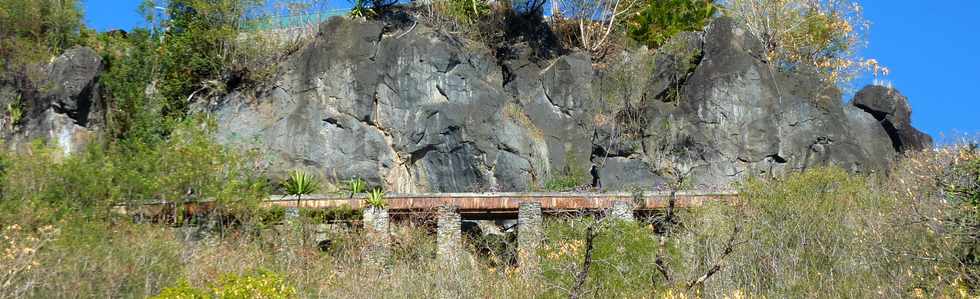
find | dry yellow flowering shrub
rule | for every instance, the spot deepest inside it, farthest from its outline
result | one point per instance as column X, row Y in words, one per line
column 820, row 35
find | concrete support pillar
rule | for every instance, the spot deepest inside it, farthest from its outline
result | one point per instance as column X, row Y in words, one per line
column 291, row 214
column 376, row 228
column 449, row 238
column 622, row 210
column 529, row 235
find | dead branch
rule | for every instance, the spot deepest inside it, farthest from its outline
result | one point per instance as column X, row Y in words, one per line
column 583, row 274
column 729, row 248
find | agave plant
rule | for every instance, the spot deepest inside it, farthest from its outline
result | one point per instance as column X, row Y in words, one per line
column 301, row 183
column 356, row 186
column 360, row 9
column 376, row 198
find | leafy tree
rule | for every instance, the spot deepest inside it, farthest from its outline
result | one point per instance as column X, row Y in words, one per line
column 33, row 30
column 659, row 20
column 199, row 50
column 809, row 35
column 132, row 65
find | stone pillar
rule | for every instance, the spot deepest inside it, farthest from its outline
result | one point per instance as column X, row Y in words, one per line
column 376, row 228
column 291, row 214
column 622, row 210
column 529, row 235
column 449, row 239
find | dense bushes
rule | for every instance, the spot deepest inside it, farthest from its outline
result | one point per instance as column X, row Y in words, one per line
column 187, row 166
column 818, row 36
column 32, row 30
column 622, row 264
column 659, row 20
column 939, row 189
column 199, row 49
column 262, row 284
column 818, row 233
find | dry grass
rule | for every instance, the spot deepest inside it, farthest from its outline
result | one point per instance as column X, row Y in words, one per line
column 821, row 233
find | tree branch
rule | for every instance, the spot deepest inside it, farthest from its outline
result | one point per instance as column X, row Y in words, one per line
column 583, row 274
column 729, row 248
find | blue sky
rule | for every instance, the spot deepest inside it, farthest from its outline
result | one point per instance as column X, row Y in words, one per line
column 931, row 47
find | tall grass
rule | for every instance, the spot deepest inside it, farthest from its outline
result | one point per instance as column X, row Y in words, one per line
column 820, row 233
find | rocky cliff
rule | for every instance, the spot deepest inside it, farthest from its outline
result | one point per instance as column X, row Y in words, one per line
column 415, row 109
column 62, row 104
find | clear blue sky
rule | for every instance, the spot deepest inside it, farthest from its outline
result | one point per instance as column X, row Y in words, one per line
column 931, row 47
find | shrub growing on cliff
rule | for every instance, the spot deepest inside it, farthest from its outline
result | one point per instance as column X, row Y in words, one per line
column 33, row 30
column 595, row 21
column 659, row 20
column 819, row 35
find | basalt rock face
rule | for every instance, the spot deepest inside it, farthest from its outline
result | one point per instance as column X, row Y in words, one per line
column 413, row 109
column 63, row 106
column 735, row 116
column 892, row 110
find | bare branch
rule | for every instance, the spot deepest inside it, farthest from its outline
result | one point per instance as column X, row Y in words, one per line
column 729, row 248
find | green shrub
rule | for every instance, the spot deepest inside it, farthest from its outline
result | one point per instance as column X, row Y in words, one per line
column 376, row 199
column 356, row 186
column 262, row 284
column 659, row 20
column 623, row 256
column 189, row 166
column 269, row 215
column 567, row 180
column 822, row 232
column 132, row 64
column 33, row 31
column 464, row 12
column 343, row 213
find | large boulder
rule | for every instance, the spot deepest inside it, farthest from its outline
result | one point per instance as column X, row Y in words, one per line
column 892, row 110
column 63, row 107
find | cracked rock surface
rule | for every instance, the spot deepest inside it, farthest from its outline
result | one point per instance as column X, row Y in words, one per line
column 63, row 106
column 413, row 109
column 418, row 110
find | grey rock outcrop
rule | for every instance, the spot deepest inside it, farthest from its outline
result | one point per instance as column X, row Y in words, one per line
column 63, row 107
column 736, row 116
column 420, row 110
column 892, row 110
column 413, row 111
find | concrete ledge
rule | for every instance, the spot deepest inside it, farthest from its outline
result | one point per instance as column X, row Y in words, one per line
column 507, row 202
column 468, row 203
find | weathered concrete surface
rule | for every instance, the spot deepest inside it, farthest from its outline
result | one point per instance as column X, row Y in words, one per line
column 530, row 234
column 448, row 234
column 376, row 225
column 622, row 210
column 511, row 201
